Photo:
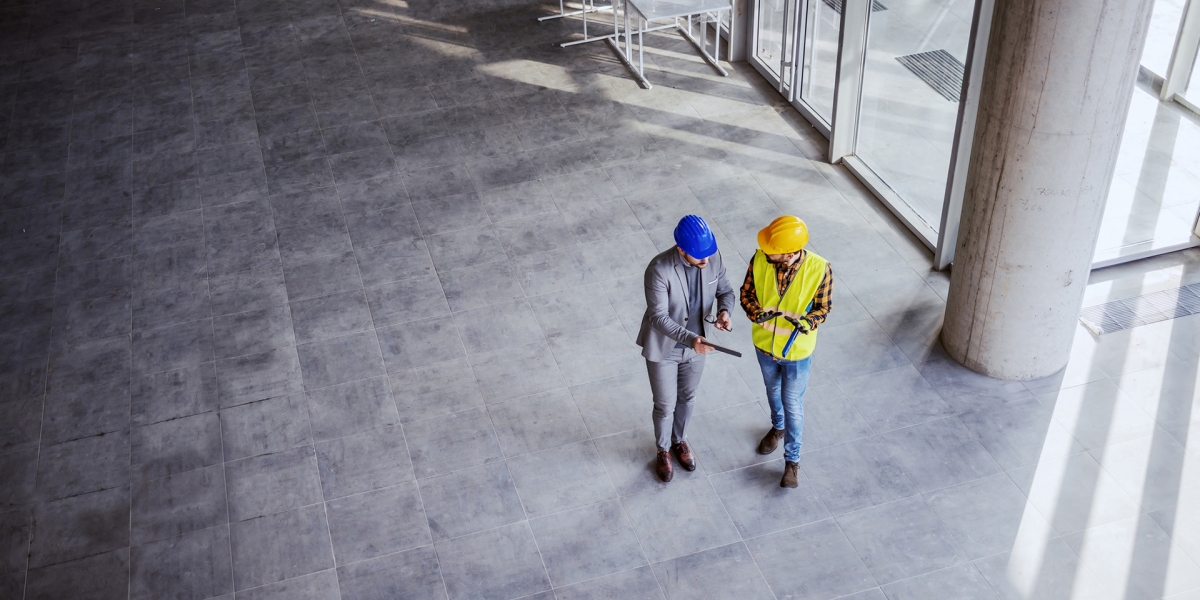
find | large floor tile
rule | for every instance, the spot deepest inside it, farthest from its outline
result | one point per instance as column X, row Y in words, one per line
column 537, row 423
column 178, row 504
column 679, row 518
column 80, row 526
column 457, row 441
column 272, row 483
column 724, row 572
column 363, row 462
column 1098, row 414
column 938, row 454
column 615, row 404
column 635, row 584
column 728, row 439
column 377, row 523
column 264, row 427
column 194, row 565
column 813, row 561
column 598, row 354
column 501, row 562
column 894, row 398
column 1135, row 555
column 411, row 574
column 470, row 500
column 280, row 546
column 1074, row 493
column 901, row 539
column 856, row 475
column 535, row 362
column 1154, row 471
column 989, row 516
column 586, row 543
column 350, row 408
column 829, row 418
column 435, row 390
column 758, row 505
column 856, row 349
column 175, row 446
column 629, row 457
column 962, row 581
column 322, row 585
column 1019, row 433
column 561, row 478
column 1035, row 572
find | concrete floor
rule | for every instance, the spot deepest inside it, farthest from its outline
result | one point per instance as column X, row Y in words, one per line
column 311, row 300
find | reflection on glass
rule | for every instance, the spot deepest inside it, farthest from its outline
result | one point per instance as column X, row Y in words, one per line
column 771, row 34
column 1153, row 198
column 906, row 127
column 821, row 25
column 1164, row 26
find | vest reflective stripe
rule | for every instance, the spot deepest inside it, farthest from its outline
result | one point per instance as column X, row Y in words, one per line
column 772, row 336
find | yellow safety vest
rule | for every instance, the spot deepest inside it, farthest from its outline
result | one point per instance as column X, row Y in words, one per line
column 772, row 336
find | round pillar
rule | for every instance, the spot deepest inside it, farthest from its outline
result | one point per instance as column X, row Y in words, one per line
column 1057, row 84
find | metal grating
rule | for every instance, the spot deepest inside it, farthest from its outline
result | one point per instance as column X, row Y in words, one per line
column 1142, row 310
column 836, row 5
column 937, row 68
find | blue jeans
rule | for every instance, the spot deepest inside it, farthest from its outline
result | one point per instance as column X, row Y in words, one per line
column 786, row 381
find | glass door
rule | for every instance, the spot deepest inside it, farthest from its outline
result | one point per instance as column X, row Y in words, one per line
column 795, row 46
column 774, row 29
column 818, row 56
column 912, row 83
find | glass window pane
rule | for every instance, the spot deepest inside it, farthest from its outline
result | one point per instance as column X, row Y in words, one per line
column 1164, row 26
column 770, row 34
column 820, row 57
column 1192, row 93
column 911, row 85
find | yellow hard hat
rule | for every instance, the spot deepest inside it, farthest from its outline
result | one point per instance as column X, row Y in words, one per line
column 784, row 235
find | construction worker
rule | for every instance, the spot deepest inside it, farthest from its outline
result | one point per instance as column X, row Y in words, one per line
column 682, row 285
column 787, row 294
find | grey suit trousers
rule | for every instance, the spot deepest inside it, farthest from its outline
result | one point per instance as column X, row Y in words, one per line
column 674, row 381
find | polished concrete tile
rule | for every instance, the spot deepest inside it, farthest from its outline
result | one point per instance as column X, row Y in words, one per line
column 813, row 561
column 724, row 572
column 376, row 523
column 318, row 301
column 679, row 519
column 470, row 565
column 900, row 539
column 471, row 500
column 280, row 546
column 586, row 543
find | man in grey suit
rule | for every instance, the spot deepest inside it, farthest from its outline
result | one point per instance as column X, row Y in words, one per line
column 682, row 284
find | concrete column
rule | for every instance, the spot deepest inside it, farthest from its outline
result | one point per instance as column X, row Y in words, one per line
column 1057, row 84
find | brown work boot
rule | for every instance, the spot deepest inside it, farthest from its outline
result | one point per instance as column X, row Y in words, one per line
column 791, row 475
column 770, row 441
column 683, row 453
column 664, row 469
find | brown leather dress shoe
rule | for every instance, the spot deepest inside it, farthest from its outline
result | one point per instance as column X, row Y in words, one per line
column 664, row 469
column 683, row 453
column 791, row 475
column 770, row 441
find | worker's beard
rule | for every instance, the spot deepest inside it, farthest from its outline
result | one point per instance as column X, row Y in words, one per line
column 782, row 262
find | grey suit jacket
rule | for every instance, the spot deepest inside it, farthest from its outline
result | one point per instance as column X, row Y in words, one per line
column 666, row 302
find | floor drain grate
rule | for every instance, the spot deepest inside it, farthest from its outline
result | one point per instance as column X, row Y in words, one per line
column 1142, row 310
column 937, row 68
column 876, row 6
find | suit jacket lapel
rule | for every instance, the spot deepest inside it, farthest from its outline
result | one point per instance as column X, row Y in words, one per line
column 683, row 280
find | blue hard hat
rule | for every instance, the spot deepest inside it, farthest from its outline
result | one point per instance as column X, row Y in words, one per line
column 693, row 236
